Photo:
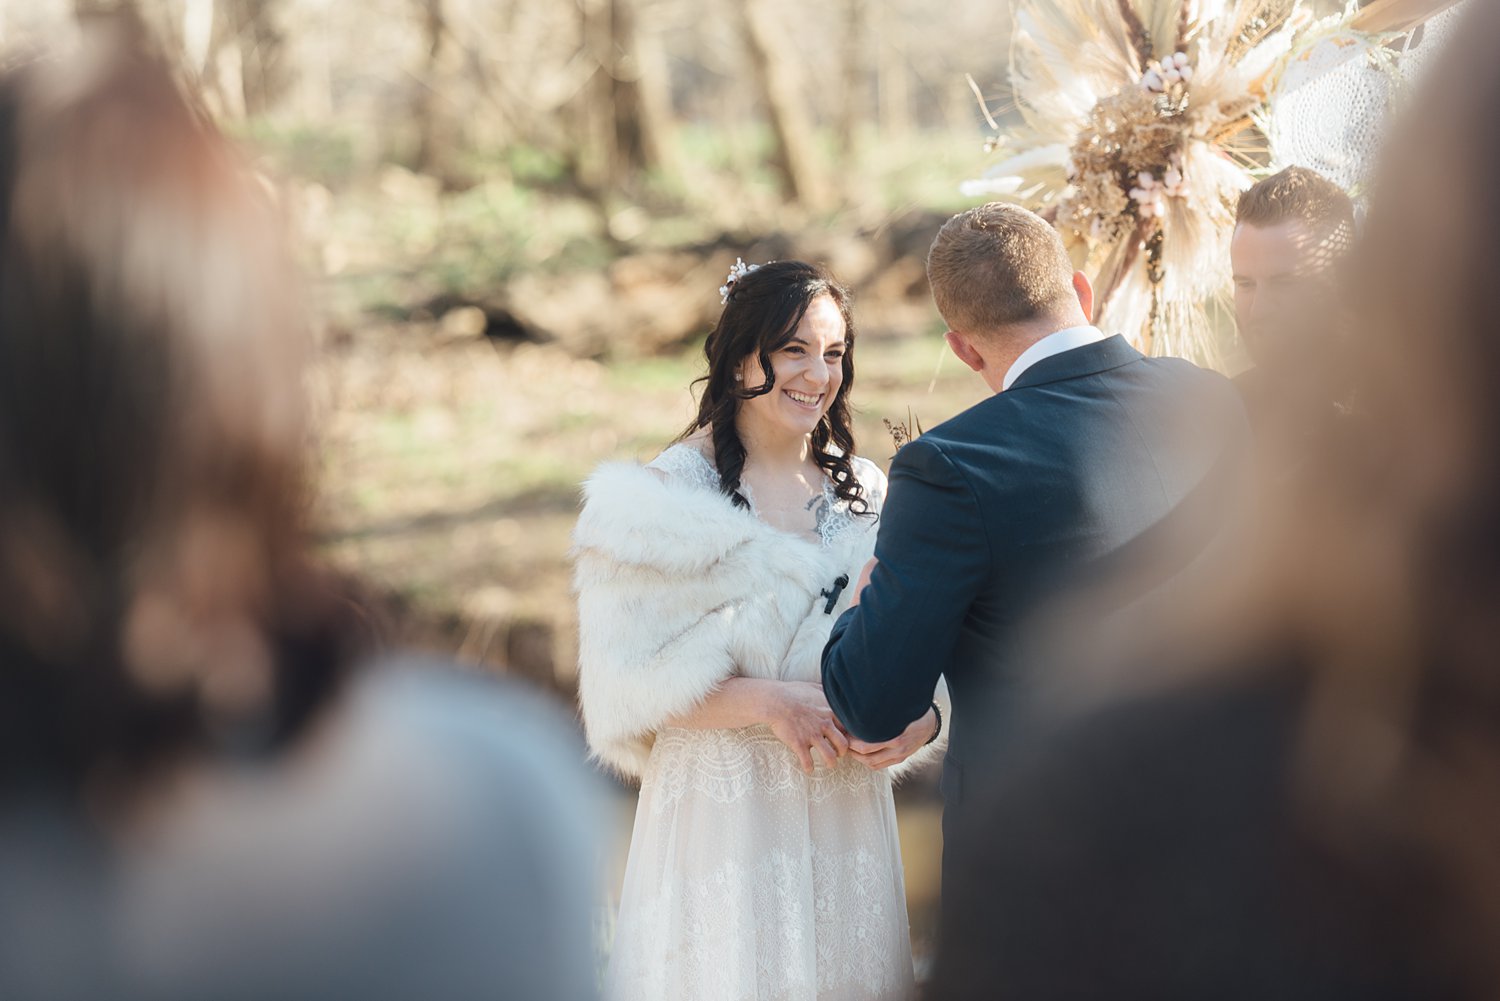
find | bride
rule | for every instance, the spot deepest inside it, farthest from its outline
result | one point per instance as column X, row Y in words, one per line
column 764, row 862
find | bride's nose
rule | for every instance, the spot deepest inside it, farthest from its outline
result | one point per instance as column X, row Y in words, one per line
column 817, row 373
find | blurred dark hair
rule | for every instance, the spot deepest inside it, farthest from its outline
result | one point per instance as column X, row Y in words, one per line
column 156, row 595
column 760, row 318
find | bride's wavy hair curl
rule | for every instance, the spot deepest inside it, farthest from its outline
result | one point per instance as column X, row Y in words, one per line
column 760, row 317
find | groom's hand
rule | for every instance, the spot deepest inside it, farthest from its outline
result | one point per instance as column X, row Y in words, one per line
column 864, row 580
column 893, row 752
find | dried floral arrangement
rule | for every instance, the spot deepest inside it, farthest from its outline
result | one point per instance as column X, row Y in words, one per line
column 1139, row 131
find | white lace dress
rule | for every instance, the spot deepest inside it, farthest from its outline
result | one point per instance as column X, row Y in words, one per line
column 748, row 880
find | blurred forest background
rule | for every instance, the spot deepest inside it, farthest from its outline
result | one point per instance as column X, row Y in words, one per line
column 515, row 215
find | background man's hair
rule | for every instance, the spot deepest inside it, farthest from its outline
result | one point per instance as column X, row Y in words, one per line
column 1296, row 194
column 998, row 265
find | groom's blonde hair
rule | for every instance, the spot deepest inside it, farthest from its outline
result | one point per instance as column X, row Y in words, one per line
column 998, row 265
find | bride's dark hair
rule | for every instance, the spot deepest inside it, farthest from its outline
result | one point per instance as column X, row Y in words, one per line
column 763, row 311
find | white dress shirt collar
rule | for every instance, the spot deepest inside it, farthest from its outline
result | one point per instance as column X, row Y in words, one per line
column 1053, row 344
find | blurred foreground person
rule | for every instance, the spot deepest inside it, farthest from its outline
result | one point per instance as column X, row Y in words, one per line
column 206, row 790
column 1294, row 232
column 1316, row 814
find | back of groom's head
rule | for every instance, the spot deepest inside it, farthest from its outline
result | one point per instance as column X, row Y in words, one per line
column 998, row 266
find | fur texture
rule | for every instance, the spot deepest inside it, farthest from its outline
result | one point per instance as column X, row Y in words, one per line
column 678, row 590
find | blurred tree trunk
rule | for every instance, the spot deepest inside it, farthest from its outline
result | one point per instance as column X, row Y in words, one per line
column 852, row 108
column 642, row 117
column 261, row 42
column 596, row 160
column 795, row 157
column 892, row 83
column 626, row 118
column 439, row 133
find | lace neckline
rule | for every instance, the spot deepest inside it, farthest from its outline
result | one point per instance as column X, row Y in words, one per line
column 685, row 461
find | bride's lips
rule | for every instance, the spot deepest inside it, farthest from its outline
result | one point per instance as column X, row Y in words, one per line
column 806, row 401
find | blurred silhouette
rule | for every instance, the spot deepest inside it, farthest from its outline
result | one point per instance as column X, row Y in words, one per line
column 1293, row 235
column 208, row 785
column 1306, row 804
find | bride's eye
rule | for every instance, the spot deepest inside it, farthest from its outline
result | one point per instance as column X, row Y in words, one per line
column 794, row 349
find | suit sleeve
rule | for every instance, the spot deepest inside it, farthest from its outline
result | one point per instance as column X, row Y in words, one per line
column 885, row 655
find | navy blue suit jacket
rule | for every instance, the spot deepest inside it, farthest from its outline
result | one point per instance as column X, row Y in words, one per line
column 1000, row 511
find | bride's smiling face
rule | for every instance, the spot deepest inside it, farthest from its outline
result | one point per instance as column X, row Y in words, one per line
column 808, row 372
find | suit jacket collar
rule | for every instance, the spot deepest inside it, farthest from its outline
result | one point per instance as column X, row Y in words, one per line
column 1091, row 359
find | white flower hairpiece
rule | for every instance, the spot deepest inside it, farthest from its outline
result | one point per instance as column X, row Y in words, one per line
column 737, row 271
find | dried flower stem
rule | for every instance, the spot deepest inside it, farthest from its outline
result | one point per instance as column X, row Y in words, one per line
column 1140, row 38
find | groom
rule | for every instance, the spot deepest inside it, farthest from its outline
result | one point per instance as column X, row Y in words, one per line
column 1087, row 456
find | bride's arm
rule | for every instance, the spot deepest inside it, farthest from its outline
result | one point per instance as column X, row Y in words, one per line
column 736, row 703
column 796, row 711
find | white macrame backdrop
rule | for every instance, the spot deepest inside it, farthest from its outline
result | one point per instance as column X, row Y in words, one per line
column 1331, row 107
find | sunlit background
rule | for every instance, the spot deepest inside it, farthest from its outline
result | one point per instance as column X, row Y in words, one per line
column 514, row 216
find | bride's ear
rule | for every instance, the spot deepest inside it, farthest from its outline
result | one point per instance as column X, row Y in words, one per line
column 965, row 350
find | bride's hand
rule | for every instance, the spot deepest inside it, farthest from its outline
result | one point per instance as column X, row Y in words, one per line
column 801, row 719
column 893, row 752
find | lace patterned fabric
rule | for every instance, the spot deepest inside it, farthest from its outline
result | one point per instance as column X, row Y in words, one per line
column 1335, row 99
column 747, row 879
column 725, row 765
column 687, row 464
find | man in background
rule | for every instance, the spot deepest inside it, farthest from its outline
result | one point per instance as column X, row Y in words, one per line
column 1292, row 233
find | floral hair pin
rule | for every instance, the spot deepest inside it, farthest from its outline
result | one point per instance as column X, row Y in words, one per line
column 737, row 271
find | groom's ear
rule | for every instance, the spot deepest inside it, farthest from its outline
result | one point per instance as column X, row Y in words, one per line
column 961, row 346
column 1085, row 294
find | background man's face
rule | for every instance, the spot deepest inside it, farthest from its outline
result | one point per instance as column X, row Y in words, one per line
column 1283, row 289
